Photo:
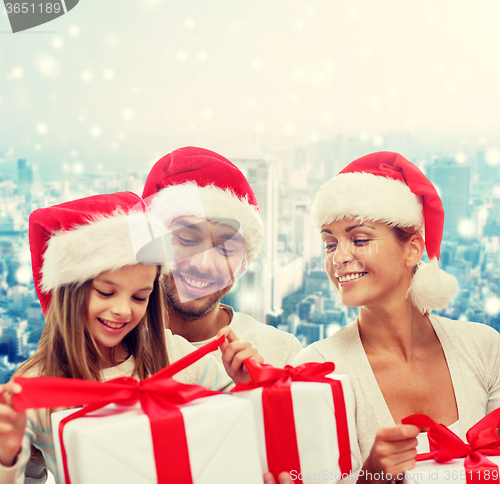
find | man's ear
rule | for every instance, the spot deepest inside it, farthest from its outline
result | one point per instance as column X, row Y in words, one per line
column 415, row 248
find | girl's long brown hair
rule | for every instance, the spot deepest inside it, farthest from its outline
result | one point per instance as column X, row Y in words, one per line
column 67, row 349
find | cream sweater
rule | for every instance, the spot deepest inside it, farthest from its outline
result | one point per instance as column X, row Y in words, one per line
column 206, row 372
column 472, row 351
column 278, row 348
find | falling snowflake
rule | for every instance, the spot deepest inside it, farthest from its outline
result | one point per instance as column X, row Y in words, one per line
column 42, row 128
column 47, row 65
column 378, row 141
column 257, row 65
column 74, row 153
column 57, row 42
column 461, row 158
column 202, row 56
column 493, row 157
column 95, row 131
column 108, row 74
column 128, row 114
column 15, row 74
column 189, row 22
column 492, row 306
column 38, row 147
column 87, row 75
column 466, row 228
column 24, row 275
column 74, row 30
column 181, row 55
column 77, row 168
column 496, row 191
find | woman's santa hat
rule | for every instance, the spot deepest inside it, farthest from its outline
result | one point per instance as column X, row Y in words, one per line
column 75, row 241
column 195, row 181
column 386, row 187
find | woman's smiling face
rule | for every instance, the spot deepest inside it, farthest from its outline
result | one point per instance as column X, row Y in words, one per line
column 365, row 262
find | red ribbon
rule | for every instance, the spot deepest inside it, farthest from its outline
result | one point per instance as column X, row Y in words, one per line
column 279, row 423
column 444, row 445
column 159, row 396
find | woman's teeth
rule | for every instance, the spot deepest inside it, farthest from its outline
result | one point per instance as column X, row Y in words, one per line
column 111, row 324
column 350, row 277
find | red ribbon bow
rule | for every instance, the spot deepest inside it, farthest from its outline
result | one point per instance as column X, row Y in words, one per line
column 159, row 396
column 482, row 440
column 281, row 438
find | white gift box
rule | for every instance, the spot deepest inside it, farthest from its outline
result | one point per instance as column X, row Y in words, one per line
column 452, row 472
column 116, row 447
column 316, row 429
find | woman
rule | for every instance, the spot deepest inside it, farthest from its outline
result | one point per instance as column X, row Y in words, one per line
column 376, row 218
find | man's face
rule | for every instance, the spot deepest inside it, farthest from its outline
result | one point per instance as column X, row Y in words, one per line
column 206, row 256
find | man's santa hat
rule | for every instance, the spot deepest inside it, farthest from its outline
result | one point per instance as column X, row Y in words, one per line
column 195, row 181
column 385, row 187
column 75, row 241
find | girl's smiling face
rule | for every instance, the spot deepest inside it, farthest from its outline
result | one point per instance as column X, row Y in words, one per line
column 117, row 302
column 365, row 262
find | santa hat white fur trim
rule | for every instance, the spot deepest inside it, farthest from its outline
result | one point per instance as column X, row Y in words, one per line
column 82, row 253
column 210, row 202
column 367, row 197
column 431, row 287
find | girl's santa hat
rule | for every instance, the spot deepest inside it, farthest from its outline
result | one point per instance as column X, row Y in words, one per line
column 385, row 187
column 75, row 241
column 195, row 181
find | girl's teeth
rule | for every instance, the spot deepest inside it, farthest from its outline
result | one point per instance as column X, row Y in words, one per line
column 112, row 325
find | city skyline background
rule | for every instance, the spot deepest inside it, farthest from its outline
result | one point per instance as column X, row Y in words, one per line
column 291, row 92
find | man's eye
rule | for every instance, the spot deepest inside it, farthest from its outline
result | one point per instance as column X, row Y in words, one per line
column 224, row 250
column 185, row 241
column 330, row 247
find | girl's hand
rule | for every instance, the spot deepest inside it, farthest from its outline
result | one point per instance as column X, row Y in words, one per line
column 393, row 453
column 234, row 352
column 12, row 425
column 284, row 478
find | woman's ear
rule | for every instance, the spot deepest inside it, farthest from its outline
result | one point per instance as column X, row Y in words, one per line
column 415, row 250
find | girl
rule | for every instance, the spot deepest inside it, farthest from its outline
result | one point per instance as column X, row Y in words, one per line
column 104, row 316
column 376, row 217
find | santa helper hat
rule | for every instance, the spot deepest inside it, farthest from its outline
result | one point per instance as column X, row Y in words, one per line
column 200, row 182
column 76, row 241
column 386, row 187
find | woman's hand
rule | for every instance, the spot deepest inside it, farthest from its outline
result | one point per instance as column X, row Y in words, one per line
column 234, row 352
column 284, row 478
column 12, row 425
column 392, row 454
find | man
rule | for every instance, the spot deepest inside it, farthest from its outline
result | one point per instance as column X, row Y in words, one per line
column 214, row 233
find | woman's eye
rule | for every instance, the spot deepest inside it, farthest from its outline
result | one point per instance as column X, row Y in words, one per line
column 105, row 294
column 361, row 242
column 140, row 299
column 330, row 247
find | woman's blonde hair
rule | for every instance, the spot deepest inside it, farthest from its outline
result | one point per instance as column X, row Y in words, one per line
column 67, row 349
